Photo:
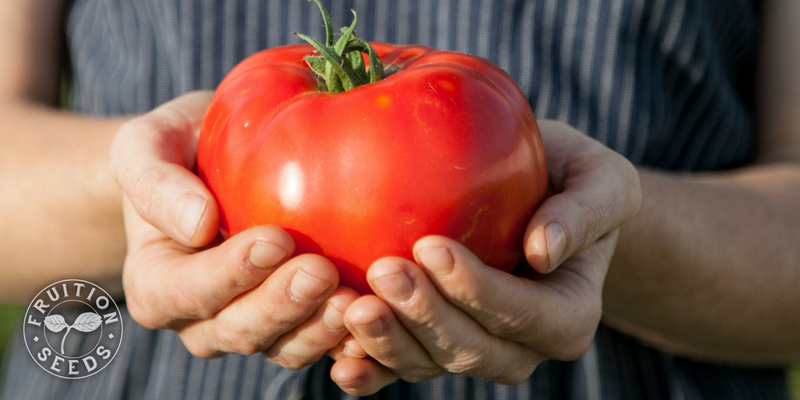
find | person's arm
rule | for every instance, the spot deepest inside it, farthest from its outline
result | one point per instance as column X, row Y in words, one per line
column 60, row 211
column 710, row 266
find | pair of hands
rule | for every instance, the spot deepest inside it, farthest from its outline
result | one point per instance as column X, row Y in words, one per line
column 442, row 312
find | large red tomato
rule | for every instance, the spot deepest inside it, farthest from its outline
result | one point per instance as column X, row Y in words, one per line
column 446, row 145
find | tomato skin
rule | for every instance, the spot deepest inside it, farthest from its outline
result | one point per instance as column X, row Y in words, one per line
column 448, row 145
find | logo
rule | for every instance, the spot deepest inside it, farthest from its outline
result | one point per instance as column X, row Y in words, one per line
column 73, row 329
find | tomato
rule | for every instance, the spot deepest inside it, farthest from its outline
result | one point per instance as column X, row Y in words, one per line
column 445, row 145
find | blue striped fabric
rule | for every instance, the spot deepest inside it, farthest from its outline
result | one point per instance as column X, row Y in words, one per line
column 664, row 82
column 657, row 80
column 155, row 365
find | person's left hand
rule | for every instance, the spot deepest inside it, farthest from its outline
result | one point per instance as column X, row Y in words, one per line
column 448, row 312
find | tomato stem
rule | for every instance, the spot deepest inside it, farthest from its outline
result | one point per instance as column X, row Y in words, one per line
column 340, row 66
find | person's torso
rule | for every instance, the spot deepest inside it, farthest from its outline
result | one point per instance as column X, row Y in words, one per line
column 664, row 82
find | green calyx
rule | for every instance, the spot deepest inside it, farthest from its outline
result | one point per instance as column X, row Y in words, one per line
column 340, row 66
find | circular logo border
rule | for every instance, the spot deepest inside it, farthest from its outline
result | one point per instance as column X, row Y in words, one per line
column 28, row 312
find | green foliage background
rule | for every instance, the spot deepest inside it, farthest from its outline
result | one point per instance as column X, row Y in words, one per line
column 9, row 318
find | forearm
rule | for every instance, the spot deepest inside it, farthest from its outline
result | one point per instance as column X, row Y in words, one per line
column 710, row 266
column 60, row 209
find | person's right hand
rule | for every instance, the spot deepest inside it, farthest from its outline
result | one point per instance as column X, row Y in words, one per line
column 244, row 295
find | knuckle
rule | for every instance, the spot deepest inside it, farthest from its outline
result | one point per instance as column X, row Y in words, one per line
column 516, row 376
column 627, row 171
column 199, row 350
column 143, row 127
column 283, row 319
column 628, row 195
column 140, row 305
column 387, row 354
column 233, row 341
column 190, row 306
column 591, row 224
column 290, row 362
column 573, row 349
column 129, row 131
column 518, row 323
column 463, row 287
column 293, row 365
column 234, row 281
column 470, row 363
column 522, row 322
column 633, row 200
column 421, row 319
column 280, row 322
column 142, row 316
column 465, row 366
column 142, row 188
column 294, row 353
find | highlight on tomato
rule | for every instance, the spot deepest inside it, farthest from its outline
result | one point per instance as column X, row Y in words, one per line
column 359, row 149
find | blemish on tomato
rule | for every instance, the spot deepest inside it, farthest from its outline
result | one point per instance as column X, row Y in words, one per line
column 446, row 85
column 244, row 91
column 383, row 101
column 411, row 221
column 471, row 229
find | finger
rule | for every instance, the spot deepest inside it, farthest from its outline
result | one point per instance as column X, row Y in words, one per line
column 361, row 377
column 164, row 284
column 348, row 347
column 252, row 322
column 556, row 315
column 352, row 348
column 308, row 342
column 378, row 332
column 151, row 157
column 596, row 190
column 453, row 339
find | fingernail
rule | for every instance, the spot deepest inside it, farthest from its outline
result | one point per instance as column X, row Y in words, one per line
column 265, row 255
column 306, row 287
column 371, row 330
column 556, row 243
column 396, row 288
column 438, row 260
column 355, row 383
column 353, row 350
column 333, row 319
column 188, row 213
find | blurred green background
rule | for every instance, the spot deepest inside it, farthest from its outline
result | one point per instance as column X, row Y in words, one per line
column 794, row 377
column 9, row 316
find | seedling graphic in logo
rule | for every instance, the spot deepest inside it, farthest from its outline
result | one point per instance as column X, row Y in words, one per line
column 86, row 322
column 73, row 329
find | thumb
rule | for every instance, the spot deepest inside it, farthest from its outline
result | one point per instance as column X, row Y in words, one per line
column 151, row 158
column 596, row 190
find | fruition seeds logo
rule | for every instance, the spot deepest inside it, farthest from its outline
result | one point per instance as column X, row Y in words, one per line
column 73, row 329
